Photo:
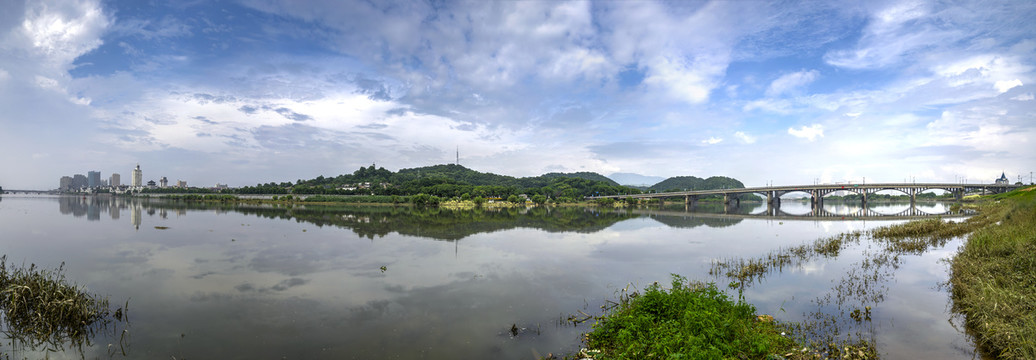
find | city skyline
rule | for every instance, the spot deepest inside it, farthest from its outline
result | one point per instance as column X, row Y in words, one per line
column 93, row 180
column 246, row 92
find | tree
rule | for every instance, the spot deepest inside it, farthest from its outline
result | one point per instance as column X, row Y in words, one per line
column 539, row 199
column 513, row 199
column 420, row 199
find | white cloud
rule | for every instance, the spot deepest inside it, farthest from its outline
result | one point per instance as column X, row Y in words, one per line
column 890, row 34
column 680, row 80
column 62, row 31
column 983, row 128
column 810, row 133
column 790, row 82
column 920, row 32
column 712, row 141
column 780, row 106
column 747, row 139
column 1003, row 85
column 687, row 67
column 1023, row 97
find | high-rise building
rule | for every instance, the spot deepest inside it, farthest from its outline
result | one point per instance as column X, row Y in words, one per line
column 78, row 181
column 65, row 184
column 138, row 178
column 181, row 184
column 114, row 180
column 93, row 179
column 163, row 182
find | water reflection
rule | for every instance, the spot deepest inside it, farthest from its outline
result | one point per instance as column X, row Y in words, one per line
column 830, row 210
column 454, row 224
column 93, row 206
column 212, row 280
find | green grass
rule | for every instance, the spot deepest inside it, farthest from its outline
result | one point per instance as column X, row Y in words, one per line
column 688, row 321
column 993, row 278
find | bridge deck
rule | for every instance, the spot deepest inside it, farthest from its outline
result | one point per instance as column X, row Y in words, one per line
column 824, row 189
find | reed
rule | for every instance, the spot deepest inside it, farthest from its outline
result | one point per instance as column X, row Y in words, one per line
column 40, row 307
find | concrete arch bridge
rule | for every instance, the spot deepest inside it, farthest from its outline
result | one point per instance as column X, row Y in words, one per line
column 817, row 193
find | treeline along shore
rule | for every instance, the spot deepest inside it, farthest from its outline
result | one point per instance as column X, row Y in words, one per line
column 455, row 181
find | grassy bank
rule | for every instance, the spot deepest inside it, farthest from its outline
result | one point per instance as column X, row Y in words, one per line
column 993, row 277
column 993, row 284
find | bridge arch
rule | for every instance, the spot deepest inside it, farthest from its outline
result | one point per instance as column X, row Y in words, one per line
column 781, row 194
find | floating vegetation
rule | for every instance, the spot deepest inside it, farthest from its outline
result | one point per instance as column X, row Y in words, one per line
column 161, row 227
column 847, row 332
column 754, row 269
column 40, row 309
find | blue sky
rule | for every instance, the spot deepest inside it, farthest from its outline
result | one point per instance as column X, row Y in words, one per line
column 242, row 92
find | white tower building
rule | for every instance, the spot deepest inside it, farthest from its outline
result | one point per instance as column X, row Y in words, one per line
column 138, row 178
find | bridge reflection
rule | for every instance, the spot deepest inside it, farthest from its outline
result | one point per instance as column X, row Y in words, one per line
column 840, row 211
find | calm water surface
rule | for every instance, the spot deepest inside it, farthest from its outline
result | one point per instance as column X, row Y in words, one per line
column 244, row 282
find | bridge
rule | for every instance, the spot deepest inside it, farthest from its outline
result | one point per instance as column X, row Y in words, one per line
column 817, row 192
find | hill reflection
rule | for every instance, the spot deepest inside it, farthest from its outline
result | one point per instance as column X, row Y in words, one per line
column 377, row 221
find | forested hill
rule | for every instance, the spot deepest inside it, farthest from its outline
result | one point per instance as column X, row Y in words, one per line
column 682, row 183
column 456, row 173
column 462, row 174
column 449, row 181
column 582, row 175
column 452, row 180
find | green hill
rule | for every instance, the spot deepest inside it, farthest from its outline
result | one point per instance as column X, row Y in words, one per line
column 455, row 173
column 452, row 180
column 682, row 183
column 581, row 175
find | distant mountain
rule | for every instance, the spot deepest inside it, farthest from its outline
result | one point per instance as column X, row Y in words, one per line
column 680, row 183
column 631, row 179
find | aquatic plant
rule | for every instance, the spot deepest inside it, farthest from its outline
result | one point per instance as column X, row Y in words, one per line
column 40, row 307
column 690, row 320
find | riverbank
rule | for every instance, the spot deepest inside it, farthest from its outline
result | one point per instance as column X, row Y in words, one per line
column 993, row 277
column 993, row 286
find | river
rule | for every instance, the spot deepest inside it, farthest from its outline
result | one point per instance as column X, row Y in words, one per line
column 317, row 282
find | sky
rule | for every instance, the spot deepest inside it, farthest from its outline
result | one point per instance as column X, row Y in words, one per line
column 254, row 91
